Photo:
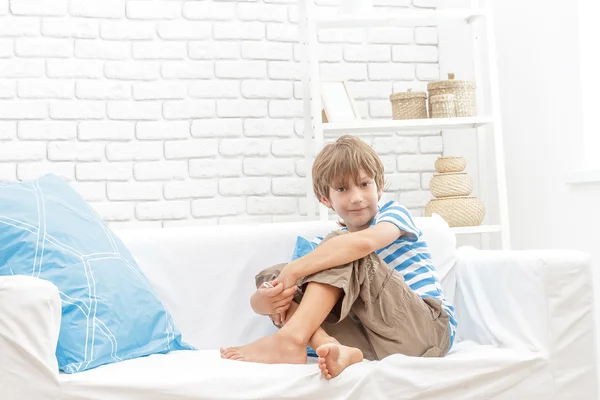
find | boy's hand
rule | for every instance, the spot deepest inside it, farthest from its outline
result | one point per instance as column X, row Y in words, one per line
column 287, row 276
column 272, row 300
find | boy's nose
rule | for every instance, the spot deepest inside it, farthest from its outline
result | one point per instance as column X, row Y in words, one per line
column 355, row 197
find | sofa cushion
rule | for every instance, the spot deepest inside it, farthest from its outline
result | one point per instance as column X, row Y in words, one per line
column 109, row 310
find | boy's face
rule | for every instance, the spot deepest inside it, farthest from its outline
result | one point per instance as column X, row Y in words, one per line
column 355, row 204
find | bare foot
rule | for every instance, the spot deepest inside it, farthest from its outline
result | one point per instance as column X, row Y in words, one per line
column 334, row 358
column 274, row 349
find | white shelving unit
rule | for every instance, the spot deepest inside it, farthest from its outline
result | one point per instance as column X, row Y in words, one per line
column 481, row 21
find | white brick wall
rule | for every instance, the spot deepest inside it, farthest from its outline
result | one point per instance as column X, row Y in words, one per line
column 175, row 112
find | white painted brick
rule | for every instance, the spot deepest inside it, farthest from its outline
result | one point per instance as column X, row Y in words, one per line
column 238, row 30
column 370, row 90
column 288, row 147
column 272, row 205
column 77, row 109
column 105, row 130
column 428, row 72
column 18, row 27
column 162, row 130
column 6, row 48
column 16, row 68
column 102, row 90
column 23, row 110
column 114, row 211
column 190, row 222
column 191, row 189
column 389, row 163
column 134, row 70
column 426, row 35
column 284, row 70
column 392, row 3
column 90, row 191
column 380, row 109
column 329, row 53
column 162, row 210
column 286, row 108
column 123, row 191
column 268, row 167
column 213, row 50
column 408, row 181
column 267, row 51
column 255, row 89
column 261, row 12
column 414, row 199
column 35, row 170
column 218, row 207
column 350, row 72
column 425, row 3
column 137, row 224
column 341, row 36
column 426, row 180
column 74, row 69
column 180, row 30
column 212, row 11
column 396, row 145
column 38, row 7
column 187, row 70
column 288, row 218
column 289, row 186
column 215, row 168
column 431, row 144
column 415, row 54
column 69, row 27
column 7, row 89
column 42, row 89
column 241, row 108
column 417, row 163
column 97, row 9
column 8, row 172
column 75, row 151
column 244, row 186
column 390, row 35
column 244, row 147
column 29, row 47
column 189, row 109
column 268, row 127
column 240, row 69
column 153, row 9
column 134, row 151
column 246, row 220
column 194, row 148
column 301, row 167
column 159, row 50
column 103, row 50
column 367, row 53
column 128, row 110
column 22, row 151
column 47, row 130
column 214, row 89
column 218, row 127
column 3, row 7
column 127, row 30
column 160, row 170
column 391, row 72
column 8, row 130
column 103, row 171
column 159, row 90
column 282, row 33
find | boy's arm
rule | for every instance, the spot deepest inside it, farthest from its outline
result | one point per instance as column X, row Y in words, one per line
column 340, row 250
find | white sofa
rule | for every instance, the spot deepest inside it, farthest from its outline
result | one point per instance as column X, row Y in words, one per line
column 526, row 326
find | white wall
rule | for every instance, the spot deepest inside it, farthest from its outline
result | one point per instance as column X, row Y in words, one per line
column 185, row 112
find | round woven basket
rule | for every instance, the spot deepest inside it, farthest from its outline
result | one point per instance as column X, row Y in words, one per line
column 442, row 106
column 451, row 184
column 450, row 164
column 457, row 211
column 465, row 103
column 409, row 105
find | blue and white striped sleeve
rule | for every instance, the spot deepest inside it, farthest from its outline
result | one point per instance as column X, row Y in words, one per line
column 398, row 215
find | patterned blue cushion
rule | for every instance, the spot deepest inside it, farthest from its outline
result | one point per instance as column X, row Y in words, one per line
column 109, row 310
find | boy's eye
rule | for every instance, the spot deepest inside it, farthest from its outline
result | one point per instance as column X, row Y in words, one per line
column 366, row 184
column 340, row 189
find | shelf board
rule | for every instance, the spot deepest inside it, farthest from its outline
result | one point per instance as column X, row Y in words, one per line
column 432, row 124
column 404, row 18
column 465, row 230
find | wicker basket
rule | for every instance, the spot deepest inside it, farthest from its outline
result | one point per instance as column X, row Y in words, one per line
column 464, row 91
column 450, row 164
column 409, row 105
column 451, row 184
column 442, row 106
column 457, row 211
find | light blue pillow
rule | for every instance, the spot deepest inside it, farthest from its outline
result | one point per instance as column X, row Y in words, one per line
column 110, row 312
column 302, row 248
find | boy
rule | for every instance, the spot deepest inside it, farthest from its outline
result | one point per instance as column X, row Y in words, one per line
column 368, row 290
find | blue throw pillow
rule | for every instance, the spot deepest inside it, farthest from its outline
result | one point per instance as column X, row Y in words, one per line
column 302, row 248
column 110, row 312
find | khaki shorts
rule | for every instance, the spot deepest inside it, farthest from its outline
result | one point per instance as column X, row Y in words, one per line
column 377, row 312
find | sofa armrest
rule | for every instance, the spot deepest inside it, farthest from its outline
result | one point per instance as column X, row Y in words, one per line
column 541, row 301
column 30, row 313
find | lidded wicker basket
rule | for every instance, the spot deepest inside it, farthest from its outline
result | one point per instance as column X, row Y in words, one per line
column 450, row 164
column 442, row 106
column 457, row 211
column 464, row 92
column 409, row 105
column 451, row 184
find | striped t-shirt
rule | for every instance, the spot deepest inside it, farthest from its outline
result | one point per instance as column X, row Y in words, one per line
column 410, row 256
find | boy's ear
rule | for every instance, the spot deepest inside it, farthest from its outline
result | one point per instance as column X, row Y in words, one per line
column 325, row 202
column 379, row 193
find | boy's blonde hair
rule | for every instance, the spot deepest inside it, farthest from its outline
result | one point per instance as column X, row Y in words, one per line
column 344, row 159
